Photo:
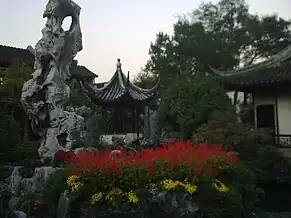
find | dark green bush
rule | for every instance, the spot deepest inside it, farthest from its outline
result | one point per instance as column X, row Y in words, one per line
column 243, row 199
column 29, row 203
column 55, row 185
column 25, row 154
column 44, row 203
column 271, row 165
column 254, row 146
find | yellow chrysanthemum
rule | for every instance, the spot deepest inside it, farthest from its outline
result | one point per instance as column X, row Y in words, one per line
column 132, row 197
column 112, row 193
column 170, row 184
column 219, row 186
column 96, row 197
column 190, row 188
column 74, row 184
column 77, row 187
column 72, row 179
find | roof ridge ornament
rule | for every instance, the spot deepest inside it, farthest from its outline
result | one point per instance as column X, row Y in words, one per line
column 127, row 83
column 118, row 65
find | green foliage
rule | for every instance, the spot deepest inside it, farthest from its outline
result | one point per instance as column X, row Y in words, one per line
column 25, row 153
column 145, row 80
column 13, row 149
column 270, row 165
column 44, row 203
column 29, row 203
column 13, row 79
column 240, row 201
column 77, row 96
column 94, row 125
column 221, row 35
column 14, row 135
column 224, row 128
column 8, row 127
column 191, row 101
column 224, row 35
column 54, row 186
column 255, row 147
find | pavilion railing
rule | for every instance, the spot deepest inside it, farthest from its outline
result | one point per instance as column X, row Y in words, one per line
column 283, row 140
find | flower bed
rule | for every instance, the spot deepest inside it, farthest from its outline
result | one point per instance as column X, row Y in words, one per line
column 179, row 169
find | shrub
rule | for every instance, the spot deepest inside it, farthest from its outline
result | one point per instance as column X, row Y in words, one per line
column 254, row 146
column 271, row 165
column 30, row 204
column 54, row 186
column 225, row 129
column 25, row 153
column 44, row 203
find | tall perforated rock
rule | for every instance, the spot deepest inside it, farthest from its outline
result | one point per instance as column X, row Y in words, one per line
column 44, row 95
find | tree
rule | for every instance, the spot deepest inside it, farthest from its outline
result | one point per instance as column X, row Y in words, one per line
column 10, row 92
column 77, row 97
column 190, row 102
column 14, row 124
column 223, row 35
column 247, row 38
column 145, row 80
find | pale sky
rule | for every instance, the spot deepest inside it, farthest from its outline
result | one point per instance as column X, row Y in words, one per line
column 111, row 29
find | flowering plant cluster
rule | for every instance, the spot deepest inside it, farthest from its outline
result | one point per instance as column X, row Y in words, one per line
column 176, row 166
column 75, row 186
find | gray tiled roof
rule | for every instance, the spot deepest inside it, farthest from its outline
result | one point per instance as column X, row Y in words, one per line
column 119, row 89
column 273, row 71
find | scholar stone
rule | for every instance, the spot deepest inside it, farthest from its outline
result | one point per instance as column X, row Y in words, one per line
column 44, row 95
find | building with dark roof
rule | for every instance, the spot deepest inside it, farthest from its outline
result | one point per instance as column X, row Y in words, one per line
column 120, row 91
column 9, row 54
column 269, row 83
column 123, row 96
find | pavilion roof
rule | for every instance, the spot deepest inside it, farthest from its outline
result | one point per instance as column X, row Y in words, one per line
column 273, row 71
column 119, row 90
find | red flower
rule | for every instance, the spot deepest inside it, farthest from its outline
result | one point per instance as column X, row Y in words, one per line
column 64, row 156
column 179, row 158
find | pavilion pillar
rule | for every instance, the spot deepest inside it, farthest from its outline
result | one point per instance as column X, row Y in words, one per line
column 133, row 120
column 147, row 127
column 116, row 124
column 235, row 96
column 122, row 115
column 137, row 122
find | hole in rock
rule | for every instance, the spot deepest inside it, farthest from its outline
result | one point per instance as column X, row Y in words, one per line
column 62, row 139
column 67, row 23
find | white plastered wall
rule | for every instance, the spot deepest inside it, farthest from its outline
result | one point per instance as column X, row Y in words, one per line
column 284, row 115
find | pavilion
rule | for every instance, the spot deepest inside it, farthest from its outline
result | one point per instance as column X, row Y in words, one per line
column 124, row 98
